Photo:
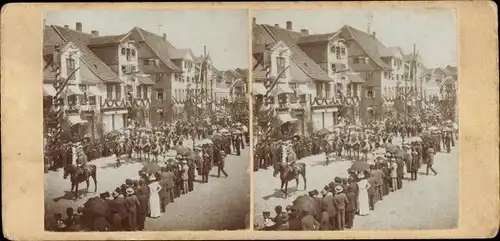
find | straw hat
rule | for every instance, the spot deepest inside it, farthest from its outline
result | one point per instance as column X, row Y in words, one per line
column 130, row 191
column 339, row 189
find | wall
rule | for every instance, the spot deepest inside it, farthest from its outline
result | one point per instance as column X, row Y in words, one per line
column 75, row 54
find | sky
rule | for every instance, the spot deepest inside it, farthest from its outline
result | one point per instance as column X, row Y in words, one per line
column 224, row 32
column 433, row 31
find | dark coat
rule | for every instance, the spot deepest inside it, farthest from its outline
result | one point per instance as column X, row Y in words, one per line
column 328, row 205
column 168, row 179
column 143, row 196
column 351, row 205
column 373, row 184
column 340, row 201
column 121, row 206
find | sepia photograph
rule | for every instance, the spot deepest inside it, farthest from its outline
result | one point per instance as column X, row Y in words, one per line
column 355, row 119
column 146, row 120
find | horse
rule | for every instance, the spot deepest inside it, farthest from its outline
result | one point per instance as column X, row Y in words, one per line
column 79, row 174
column 287, row 174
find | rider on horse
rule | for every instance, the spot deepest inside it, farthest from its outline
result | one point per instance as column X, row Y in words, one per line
column 291, row 158
column 81, row 161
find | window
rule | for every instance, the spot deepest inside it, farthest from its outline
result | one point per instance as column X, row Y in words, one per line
column 123, row 51
column 145, row 92
column 71, row 100
column 124, row 69
column 70, row 67
column 138, row 91
column 397, row 76
column 332, row 49
column 133, row 52
column 327, row 90
column 185, row 64
column 129, row 56
column 334, row 68
column 118, row 91
column 109, row 92
column 349, row 90
column 302, row 98
column 355, row 60
column 132, row 69
column 337, row 52
column 343, row 51
column 369, row 93
column 83, row 98
column 319, row 92
column 280, row 63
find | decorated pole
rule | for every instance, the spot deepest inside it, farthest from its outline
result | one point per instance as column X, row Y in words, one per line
column 59, row 85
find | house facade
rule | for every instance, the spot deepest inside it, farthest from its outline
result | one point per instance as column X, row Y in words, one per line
column 120, row 54
column 88, row 88
column 154, row 60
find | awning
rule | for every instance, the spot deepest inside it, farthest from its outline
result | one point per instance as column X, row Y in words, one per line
column 49, row 90
column 304, row 90
column 95, row 91
column 369, row 108
column 258, row 88
column 74, row 90
column 145, row 80
column 286, row 118
column 75, row 119
column 281, row 88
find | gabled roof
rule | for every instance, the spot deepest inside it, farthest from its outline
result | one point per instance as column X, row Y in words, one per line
column 158, row 45
column 259, row 73
column 391, row 51
column 316, row 38
column 111, row 39
column 81, row 40
column 368, row 44
column 179, row 53
column 290, row 38
column 242, row 72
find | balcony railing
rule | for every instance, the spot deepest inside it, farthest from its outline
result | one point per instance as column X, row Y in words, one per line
column 113, row 103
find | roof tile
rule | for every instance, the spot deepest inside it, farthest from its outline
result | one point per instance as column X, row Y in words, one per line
column 368, row 43
column 290, row 38
column 81, row 40
column 159, row 46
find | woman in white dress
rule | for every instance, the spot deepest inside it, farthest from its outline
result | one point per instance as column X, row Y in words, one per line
column 154, row 197
column 364, row 208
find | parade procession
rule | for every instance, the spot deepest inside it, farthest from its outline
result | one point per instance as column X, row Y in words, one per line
column 141, row 135
column 331, row 143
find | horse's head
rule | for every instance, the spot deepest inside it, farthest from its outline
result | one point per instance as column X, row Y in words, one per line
column 67, row 171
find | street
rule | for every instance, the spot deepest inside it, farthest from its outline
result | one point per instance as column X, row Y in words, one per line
column 431, row 202
column 222, row 203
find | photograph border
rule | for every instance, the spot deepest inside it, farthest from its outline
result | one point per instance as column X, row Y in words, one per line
column 22, row 191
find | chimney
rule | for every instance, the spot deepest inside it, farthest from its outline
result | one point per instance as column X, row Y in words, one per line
column 289, row 25
column 204, row 50
column 94, row 33
column 78, row 26
column 374, row 34
column 66, row 26
column 276, row 25
column 304, row 31
column 164, row 37
column 254, row 21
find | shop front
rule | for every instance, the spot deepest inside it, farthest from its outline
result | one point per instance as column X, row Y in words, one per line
column 114, row 120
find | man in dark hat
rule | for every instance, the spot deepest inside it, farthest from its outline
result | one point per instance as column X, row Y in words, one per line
column 340, row 200
column 143, row 208
column 327, row 205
